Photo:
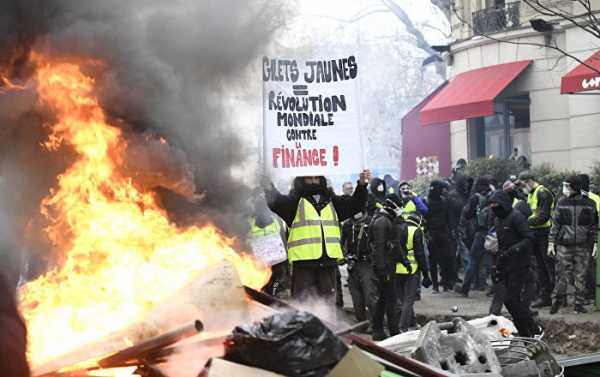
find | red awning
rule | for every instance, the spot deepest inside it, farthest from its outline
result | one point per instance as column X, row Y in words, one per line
column 471, row 94
column 582, row 78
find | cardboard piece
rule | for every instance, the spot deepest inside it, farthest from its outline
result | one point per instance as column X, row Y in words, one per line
column 356, row 363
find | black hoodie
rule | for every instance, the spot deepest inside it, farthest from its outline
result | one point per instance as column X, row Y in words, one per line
column 515, row 238
column 376, row 198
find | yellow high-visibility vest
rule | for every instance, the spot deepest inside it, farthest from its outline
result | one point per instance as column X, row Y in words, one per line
column 532, row 199
column 409, row 208
column 273, row 228
column 305, row 241
column 410, row 250
column 596, row 199
column 515, row 202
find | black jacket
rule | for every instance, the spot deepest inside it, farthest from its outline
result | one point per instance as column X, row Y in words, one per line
column 286, row 206
column 574, row 221
column 543, row 213
column 441, row 218
column 515, row 238
column 387, row 249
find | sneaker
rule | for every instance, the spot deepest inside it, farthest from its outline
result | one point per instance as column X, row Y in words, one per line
column 555, row 307
column 435, row 291
column 579, row 309
column 379, row 336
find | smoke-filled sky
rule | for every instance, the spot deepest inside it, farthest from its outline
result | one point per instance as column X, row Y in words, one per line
column 184, row 69
column 169, row 69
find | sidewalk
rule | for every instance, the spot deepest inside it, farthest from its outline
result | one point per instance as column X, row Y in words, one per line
column 566, row 333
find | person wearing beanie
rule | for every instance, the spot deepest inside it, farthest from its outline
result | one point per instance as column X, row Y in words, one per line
column 571, row 240
column 541, row 202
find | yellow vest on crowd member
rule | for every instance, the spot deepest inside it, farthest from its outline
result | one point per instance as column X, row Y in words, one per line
column 410, row 207
column 305, row 241
column 596, row 199
column 273, row 228
column 515, row 202
column 410, row 253
column 532, row 199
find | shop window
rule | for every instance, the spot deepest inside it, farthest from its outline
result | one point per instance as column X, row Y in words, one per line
column 504, row 134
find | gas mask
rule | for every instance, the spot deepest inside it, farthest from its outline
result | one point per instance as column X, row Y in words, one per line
column 358, row 216
column 380, row 188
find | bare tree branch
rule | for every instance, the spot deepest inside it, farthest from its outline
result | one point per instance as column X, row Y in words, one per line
column 419, row 37
column 546, row 10
column 541, row 45
column 410, row 27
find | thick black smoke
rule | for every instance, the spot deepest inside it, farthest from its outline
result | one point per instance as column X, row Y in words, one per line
column 168, row 68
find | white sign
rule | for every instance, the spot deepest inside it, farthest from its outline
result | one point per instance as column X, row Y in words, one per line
column 311, row 117
column 269, row 249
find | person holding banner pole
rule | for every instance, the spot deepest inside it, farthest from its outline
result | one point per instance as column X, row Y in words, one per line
column 313, row 214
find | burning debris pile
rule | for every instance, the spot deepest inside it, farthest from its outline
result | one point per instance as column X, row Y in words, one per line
column 114, row 183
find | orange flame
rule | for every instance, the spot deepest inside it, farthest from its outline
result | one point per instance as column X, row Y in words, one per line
column 122, row 255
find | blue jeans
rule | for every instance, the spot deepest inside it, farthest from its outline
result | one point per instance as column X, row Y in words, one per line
column 476, row 257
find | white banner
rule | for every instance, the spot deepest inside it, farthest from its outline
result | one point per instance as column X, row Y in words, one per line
column 311, row 117
column 269, row 249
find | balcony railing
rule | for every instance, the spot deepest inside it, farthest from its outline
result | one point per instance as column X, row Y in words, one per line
column 495, row 19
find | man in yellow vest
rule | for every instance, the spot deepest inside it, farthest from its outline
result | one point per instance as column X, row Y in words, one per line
column 541, row 202
column 407, row 282
column 313, row 214
column 409, row 201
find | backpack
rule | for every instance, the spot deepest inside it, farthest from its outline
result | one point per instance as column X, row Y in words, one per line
column 482, row 213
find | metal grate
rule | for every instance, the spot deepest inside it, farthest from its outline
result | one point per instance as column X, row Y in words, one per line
column 495, row 19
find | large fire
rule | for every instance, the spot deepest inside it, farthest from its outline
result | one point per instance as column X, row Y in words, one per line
column 122, row 254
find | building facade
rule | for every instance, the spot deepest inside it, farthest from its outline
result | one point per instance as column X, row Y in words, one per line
column 530, row 116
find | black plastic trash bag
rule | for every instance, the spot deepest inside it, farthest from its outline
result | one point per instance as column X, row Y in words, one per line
column 294, row 344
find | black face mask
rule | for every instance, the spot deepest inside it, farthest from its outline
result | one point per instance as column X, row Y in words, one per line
column 313, row 189
column 500, row 212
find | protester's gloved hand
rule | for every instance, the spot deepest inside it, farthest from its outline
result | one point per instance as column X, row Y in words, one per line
column 426, row 279
column 406, row 263
column 595, row 251
column 551, row 249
